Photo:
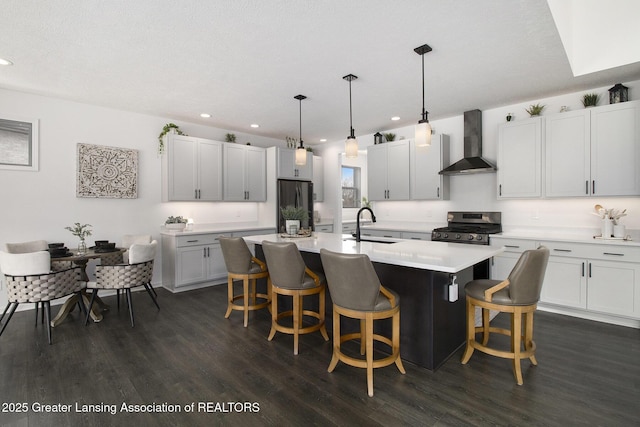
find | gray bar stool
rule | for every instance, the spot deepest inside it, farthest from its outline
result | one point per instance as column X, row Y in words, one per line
column 289, row 276
column 242, row 265
column 518, row 295
column 356, row 292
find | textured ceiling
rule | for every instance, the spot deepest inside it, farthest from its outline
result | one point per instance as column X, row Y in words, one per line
column 243, row 61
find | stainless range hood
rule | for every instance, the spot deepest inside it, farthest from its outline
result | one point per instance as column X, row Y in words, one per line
column 472, row 161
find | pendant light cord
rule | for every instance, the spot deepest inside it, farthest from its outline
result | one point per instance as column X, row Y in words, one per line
column 300, row 123
column 350, row 111
column 423, row 109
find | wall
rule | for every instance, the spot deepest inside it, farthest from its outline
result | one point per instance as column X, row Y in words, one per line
column 478, row 192
column 38, row 205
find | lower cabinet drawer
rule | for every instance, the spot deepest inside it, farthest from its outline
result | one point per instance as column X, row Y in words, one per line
column 513, row 245
column 324, row 228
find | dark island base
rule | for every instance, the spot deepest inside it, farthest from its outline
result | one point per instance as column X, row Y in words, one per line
column 431, row 327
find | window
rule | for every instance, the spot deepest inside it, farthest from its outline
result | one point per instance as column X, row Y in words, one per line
column 350, row 187
column 19, row 145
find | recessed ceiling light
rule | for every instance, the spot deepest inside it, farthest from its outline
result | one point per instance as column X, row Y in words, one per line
column 323, row 140
column 395, row 118
column 5, row 62
column 205, row 115
column 255, row 125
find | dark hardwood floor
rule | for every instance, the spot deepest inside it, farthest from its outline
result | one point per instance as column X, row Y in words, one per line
column 588, row 374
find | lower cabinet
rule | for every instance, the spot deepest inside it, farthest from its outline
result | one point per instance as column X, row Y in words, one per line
column 195, row 260
column 585, row 279
column 325, row 228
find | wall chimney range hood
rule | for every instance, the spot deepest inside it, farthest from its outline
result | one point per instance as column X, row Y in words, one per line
column 472, row 161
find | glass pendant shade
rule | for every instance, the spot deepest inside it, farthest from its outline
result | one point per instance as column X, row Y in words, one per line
column 301, row 156
column 351, row 147
column 423, row 134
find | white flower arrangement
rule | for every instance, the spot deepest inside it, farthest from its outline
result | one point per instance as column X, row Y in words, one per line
column 612, row 214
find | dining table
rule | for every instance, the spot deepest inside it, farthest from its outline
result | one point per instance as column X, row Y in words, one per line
column 81, row 260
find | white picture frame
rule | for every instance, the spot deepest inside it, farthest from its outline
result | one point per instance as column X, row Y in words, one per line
column 19, row 144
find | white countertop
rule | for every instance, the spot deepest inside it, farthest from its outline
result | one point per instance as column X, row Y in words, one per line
column 426, row 255
column 217, row 228
column 578, row 235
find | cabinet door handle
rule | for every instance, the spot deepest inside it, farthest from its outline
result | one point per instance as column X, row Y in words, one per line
column 562, row 250
column 589, row 269
column 204, row 252
column 500, row 189
column 593, row 187
column 612, row 253
column 416, row 238
column 438, row 192
column 192, row 241
column 583, row 269
column 195, row 195
column 512, row 246
column 586, row 187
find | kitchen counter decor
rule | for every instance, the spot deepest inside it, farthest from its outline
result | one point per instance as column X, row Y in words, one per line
column 610, row 222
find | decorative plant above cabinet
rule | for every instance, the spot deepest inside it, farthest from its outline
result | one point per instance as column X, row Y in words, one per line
column 169, row 127
column 535, row 109
column 590, row 99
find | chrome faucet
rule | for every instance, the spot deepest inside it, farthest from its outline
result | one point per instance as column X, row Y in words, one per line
column 373, row 218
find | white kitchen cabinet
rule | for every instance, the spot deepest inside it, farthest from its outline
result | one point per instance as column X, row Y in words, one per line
column 191, row 169
column 325, row 228
column 598, row 278
column 368, row 232
column 567, row 149
column 318, row 179
column 287, row 168
column 191, row 261
column 426, row 162
column 520, row 159
column 245, row 173
column 412, row 235
column 593, row 152
column 615, row 149
column 614, row 287
column 348, row 227
column 388, row 168
column 501, row 265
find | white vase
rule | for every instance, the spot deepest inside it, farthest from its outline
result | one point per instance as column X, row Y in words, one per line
column 619, row 230
column 607, row 228
column 292, row 226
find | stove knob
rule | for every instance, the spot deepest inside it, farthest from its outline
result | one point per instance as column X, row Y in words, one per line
column 438, row 235
column 458, row 236
column 479, row 237
column 470, row 237
column 446, row 235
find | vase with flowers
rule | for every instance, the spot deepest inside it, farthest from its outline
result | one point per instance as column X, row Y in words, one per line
column 611, row 221
column 82, row 231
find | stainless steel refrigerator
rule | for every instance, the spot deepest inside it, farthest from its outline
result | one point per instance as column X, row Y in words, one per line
column 298, row 194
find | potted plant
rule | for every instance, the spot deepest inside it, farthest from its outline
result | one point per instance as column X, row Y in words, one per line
column 535, row 109
column 230, row 137
column 590, row 99
column 389, row 137
column 292, row 216
column 81, row 231
column 175, row 223
column 169, row 127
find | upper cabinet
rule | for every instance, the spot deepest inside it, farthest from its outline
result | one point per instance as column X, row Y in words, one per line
column 426, row 163
column 567, row 154
column 615, row 149
column 287, row 168
column 388, row 168
column 245, row 173
column 520, row 159
column 191, row 169
column 318, row 179
column 593, row 152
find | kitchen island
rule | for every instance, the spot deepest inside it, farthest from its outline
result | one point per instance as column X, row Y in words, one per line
column 421, row 272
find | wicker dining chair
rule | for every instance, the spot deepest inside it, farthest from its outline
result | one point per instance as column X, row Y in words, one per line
column 29, row 279
column 137, row 272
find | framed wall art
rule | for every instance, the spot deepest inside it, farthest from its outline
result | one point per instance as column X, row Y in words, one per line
column 107, row 172
column 19, row 144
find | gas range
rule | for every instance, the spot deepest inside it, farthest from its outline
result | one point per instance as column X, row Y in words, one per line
column 469, row 227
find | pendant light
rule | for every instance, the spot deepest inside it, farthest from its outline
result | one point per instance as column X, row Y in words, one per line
column 351, row 144
column 301, row 152
column 423, row 128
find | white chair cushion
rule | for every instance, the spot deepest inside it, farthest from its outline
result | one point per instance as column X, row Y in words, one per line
column 25, row 247
column 142, row 253
column 29, row 264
